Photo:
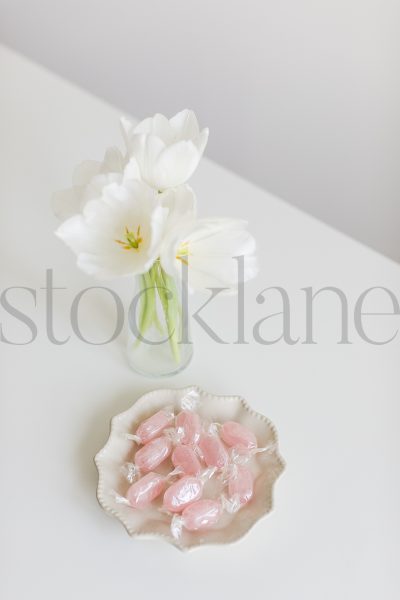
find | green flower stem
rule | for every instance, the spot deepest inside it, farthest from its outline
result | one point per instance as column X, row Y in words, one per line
column 156, row 320
column 142, row 303
column 147, row 304
column 169, row 302
column 157, row 282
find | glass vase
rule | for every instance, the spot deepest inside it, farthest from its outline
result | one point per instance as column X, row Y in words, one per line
column 158, row 325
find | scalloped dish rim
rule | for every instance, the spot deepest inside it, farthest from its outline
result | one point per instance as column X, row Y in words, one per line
column 137, row 406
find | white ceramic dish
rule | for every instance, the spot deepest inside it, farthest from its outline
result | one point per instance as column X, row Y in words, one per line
column 267, row 467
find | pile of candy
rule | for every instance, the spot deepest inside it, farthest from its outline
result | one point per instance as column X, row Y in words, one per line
column 199, row 451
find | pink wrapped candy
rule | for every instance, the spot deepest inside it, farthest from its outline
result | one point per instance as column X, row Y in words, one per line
column 240, row 485
column 200, row 515
column 145, row 490
column 185, row 458
column 238, row 436
column 153, row 426
column 193, row 444
column 188, row 425
column 148, row 457
column 182, row 493
column 213, row 451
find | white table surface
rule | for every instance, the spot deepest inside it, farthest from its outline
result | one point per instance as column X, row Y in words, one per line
column 335, row 530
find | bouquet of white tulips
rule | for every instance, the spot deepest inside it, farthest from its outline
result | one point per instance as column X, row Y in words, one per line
column 134, row 214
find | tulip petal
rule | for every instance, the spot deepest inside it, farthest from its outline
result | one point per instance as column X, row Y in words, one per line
column 131, row 170
column 73, row 232
column 99, row 235
column 113, row 161
column 181, row 203
column 66, row 203
column 185, row 125
column 167, row 151
column 212, row 247
column 157, row 126
column 176, row 164
column 201, row 141
column 84, row 172
column 127, row 128
column 146, row 149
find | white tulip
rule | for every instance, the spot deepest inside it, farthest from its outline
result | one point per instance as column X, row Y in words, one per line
column 167, row 151
column 89, row 179
column 182, row 205
column 118, row 233
column 208, row 247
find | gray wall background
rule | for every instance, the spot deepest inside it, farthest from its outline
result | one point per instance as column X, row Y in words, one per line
column 301, row 96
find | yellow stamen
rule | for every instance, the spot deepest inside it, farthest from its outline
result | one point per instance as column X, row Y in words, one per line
column 132, row 241
column 183, row 253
